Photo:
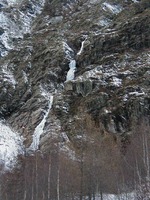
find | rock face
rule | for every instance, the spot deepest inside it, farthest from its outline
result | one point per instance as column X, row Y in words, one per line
column 109, row 40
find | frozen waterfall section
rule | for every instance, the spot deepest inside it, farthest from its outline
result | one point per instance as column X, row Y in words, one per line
column 72, row 63
column 40, row 128
column 82, row 46
column 72, row 69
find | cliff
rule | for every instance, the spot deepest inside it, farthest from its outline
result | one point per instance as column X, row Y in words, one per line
column 73, row 72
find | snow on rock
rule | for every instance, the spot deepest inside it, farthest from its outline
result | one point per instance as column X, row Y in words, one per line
column 115, row 9
column 16, row 23
column 135, row 1
column 8, row 76
column 68, row 51
column 125, row 97
column 116, row 81
column 44, row 93
column 104, row 22
column 11, row 31
column 95, row 73
column 40, row 127
column 11, row 145
column 94, row 1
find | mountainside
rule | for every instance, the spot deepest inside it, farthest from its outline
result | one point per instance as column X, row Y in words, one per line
column 74, row 85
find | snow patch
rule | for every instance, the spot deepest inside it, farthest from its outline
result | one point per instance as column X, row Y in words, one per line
column 135, row 1
column 104, row 22
column 116, row 82
column 11, row 2
column 94, row 1
column 11, row 145
column 8, row 76
column 115, row 9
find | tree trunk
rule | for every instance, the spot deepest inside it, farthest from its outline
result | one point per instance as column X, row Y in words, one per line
column 32, row 192
column 36, row 177
column 58, row 173
column 101, row 193
column 25, row 195
column 58, row 186
column 81, row 181
column 49, row 176
column 43, row 196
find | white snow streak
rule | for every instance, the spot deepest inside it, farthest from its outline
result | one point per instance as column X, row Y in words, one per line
column 11, row 145
column 136, row 93
column 40, row 127
column 25, row 77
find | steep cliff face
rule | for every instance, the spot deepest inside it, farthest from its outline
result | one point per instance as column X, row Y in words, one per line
column 73, row 69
